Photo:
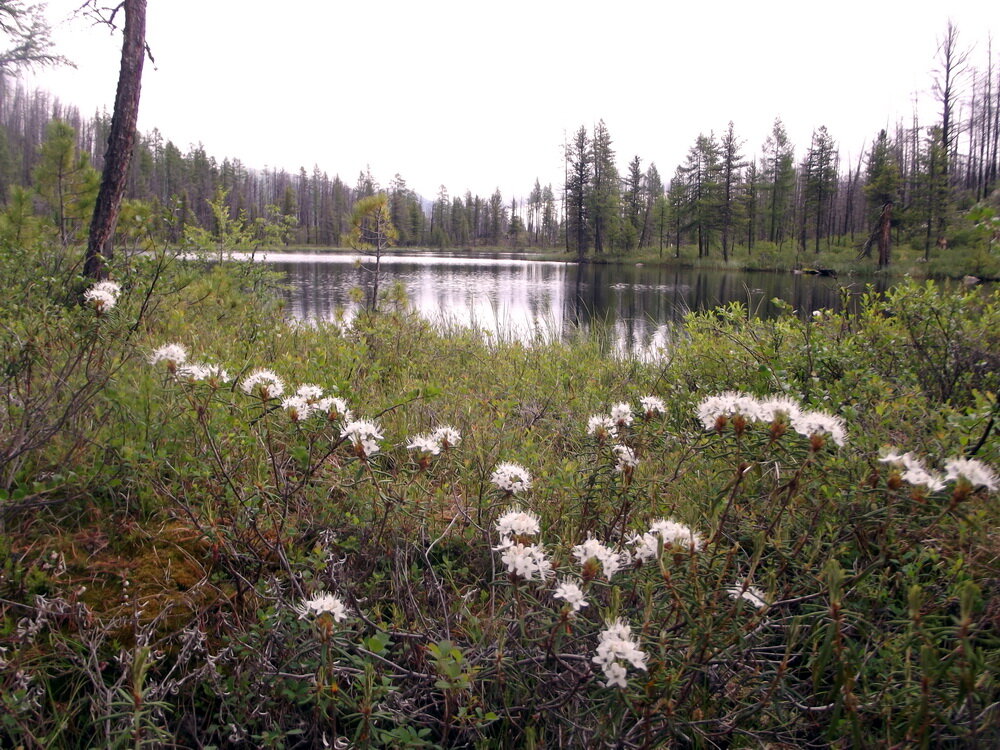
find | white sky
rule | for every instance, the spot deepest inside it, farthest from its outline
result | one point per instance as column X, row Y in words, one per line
column 479, row 95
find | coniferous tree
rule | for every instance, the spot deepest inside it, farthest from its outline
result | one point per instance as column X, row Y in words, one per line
column 654, row 194
column 881, row 194
column 730, row 167
column 701, row 173
column 820, row 184
column 777, row 180
column 605, row 195
column 66, row 182
column 633, row 205
column 579, row 158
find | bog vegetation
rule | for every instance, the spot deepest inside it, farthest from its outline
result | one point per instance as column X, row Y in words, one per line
column 223, row 529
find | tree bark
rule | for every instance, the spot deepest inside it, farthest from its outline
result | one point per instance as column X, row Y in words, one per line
column 121, row 140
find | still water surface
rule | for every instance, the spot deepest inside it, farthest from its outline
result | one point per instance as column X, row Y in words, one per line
column 511, row 296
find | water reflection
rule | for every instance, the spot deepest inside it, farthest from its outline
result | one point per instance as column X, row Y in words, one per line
column 511, row 296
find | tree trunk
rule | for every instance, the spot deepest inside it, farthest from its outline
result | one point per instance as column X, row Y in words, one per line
column 884, row 235
column 121, row 140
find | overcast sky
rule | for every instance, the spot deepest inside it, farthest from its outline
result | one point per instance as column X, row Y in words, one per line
column 481, row 95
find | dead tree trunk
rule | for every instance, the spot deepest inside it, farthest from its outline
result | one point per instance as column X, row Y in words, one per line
column 121, row 139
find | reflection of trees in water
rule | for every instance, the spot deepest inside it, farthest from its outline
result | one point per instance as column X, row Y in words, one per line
column 631, row 303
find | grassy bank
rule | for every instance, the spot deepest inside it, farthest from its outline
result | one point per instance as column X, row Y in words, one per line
column 192, row 561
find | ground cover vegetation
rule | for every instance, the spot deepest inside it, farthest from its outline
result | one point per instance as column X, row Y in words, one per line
column 918, row 198
column 223, row 529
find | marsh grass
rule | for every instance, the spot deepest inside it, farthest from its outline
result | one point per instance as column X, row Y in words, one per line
column 160, row 536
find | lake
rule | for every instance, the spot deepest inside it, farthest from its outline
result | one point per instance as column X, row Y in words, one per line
column 510, row 295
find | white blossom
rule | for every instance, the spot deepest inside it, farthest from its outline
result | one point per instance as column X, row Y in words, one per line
column 100, row 300
column 364, row 436
column 752, row 594
column 335, row 408
column 778, row 409
column 310, row 393
column 616, row 646
column 424, row 444
column 725, row 406
column 263, row 384
column 323, row 604
column 974, row 472
column 572, row 594
column 174, row 355
column 621, row 414
column 602, row 427
column 298, row 408
column 446, row 436
column 914, row 471
column 525, row 561
column 668, row 533
column 624, row 458
column 652, row 405
column 818, row 423
column 611, row 561
column 511, row 477
column 517, row 522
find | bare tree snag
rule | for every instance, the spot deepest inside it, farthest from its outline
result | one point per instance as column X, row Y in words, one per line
column 121, row 139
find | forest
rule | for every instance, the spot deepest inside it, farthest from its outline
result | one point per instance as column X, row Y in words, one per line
column 926, row 184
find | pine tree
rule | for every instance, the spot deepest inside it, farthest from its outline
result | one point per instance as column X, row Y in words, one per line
column 66, row 182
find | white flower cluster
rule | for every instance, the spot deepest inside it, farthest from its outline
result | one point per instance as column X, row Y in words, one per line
column 976, row 473
column 517, row 522
column 572, row 594
column 625, row 459
column 191, row 372
column 611, row 561
column 323, row 604
column 172, row 355
column 364, row 436
column 264, row 384
column 102, row 296
column 309, row 400
column 668, row 533
column 615, row 647
column 715, row 412
column 621, row 414
column 652, row 405
column 527, row 561
column 442, row 438
column 511, row 477
column 752, row 594
column 602, row 427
